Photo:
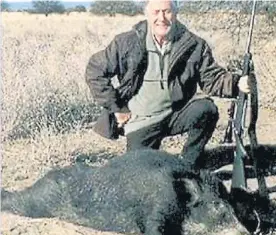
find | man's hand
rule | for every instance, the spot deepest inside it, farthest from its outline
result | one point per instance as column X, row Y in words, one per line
column 122, row 118
column 244, row 84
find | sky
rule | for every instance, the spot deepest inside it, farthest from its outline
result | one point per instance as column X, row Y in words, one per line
column 27, row 4
column 10, row 1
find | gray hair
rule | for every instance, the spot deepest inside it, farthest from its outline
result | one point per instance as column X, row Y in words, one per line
column 174, row 4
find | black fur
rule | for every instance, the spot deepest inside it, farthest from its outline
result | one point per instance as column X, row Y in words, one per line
column 147, row 191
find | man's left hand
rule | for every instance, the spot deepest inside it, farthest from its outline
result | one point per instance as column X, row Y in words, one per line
column 244, row 84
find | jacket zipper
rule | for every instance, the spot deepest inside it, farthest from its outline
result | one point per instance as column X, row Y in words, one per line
column 161, row 65
column 177, row 55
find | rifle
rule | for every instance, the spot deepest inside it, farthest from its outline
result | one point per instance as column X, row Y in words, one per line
column 237, row 113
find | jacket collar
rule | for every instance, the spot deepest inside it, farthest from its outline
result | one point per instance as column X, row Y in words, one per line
column 153, row 46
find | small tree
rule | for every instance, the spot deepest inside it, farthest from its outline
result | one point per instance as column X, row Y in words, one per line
column 5, row 6
column 128, row 8
column 113, row 7
column 47, row 7
column 103, row 7
column 80, row 8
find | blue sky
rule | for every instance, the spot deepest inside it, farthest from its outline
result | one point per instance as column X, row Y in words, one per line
column 10, row 1
column 27, row 4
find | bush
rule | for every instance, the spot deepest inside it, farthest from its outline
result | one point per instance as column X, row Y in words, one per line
column 54, row 112
column 78, row 8
column 267, row 8
column 5, row 6
column 116, row 7
column 242, row 6
column 205, row 6
column 47, row 7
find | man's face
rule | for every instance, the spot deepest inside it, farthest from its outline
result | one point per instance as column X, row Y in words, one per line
column 160, row 16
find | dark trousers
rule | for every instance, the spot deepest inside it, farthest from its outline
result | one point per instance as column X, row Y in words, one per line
column 198, row 118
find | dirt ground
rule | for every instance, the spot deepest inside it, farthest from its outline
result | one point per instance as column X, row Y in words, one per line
column 24, row 161
column 21, row 173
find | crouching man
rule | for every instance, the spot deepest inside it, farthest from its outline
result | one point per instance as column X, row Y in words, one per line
column 159, row 64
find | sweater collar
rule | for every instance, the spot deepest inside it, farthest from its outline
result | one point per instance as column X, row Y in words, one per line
column 141, row 29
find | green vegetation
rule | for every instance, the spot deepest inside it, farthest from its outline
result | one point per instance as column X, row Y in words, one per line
column 78, row 8
column 47, row 7
column 267, row 8
column 5, row 6
column 116, row 7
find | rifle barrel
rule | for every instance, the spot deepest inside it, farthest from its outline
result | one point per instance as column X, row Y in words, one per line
column 251, row 27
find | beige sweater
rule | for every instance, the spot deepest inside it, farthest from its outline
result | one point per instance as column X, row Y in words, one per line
column 152, row 103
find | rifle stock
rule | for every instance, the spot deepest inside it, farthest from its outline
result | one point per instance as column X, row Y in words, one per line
column 238, row 175
column 238, row 178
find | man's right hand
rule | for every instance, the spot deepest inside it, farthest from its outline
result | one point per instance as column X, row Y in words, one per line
column 122, row 118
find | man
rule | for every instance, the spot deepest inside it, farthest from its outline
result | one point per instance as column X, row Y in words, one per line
column 159, row 64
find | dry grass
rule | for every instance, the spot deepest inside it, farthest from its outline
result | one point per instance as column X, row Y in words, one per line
column 46, row 101
column 44, row 60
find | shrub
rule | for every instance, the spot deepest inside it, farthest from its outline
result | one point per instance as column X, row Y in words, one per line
column 242, row 6
column 55, row 112
column 5, row 6
column 116, row 7
column 78, row 8
column 47, row 7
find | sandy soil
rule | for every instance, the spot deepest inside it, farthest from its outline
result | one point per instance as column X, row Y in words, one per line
column 24, row 161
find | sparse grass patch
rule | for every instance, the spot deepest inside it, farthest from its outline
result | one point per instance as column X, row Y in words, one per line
column 54, row 112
